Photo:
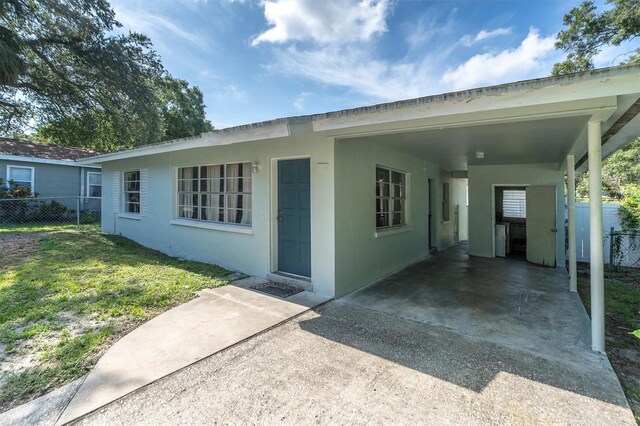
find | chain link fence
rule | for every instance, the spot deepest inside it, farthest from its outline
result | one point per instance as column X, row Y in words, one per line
column 624, row 248
column 49, row 210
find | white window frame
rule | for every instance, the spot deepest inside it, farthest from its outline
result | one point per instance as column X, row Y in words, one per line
column 89, row 184
column 405, row 199
column 33, row 175
column 207, row 223
column 123, row 208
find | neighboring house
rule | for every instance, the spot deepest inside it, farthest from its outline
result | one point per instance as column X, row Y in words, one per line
column 341, row 199
column 51, row 171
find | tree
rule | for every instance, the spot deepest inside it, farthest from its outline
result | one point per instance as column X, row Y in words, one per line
column 63, row 65
column 622, row 168
column 589, row 31
column 182, row 109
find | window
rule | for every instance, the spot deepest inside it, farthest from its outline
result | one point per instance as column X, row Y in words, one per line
column 94, row 185
column 445, row 202
column 20, row 176
column 132, row 191
column 514, row 203
column 391, row 198
column 217, row 193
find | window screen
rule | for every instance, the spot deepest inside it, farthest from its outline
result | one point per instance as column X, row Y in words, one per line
column 514, row 203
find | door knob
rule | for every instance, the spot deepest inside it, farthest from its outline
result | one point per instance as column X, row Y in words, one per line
column 554, row 230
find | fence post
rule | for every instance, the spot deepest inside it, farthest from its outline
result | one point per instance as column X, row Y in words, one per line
column 78, row 212
column 611, row 247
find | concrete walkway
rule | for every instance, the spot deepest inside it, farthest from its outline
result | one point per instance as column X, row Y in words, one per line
column 342, row 364
column 217, row 319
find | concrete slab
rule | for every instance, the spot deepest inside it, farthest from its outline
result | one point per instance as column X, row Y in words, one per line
column 507, row 301
column 44, row 410
column 343, row 364
column 217, row 319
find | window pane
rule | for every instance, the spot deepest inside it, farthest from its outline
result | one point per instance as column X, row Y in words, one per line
column 239, row 201
column 397, row 177
column 95, row 178
column 382, row 189
column 398, row 191
column 239, row 185
column 132, row 207
column 382, row 219
column 20, row 175
column 398, row 219
column 398, row 205
column 132, row 176
column 95, row 191
column 188, row 212
column 382, row 205
column 382, row 175
column 132, row 186
column 212, row 214
column 17, row 183
column 242, row 217
column 188, row 185
column 212, row 185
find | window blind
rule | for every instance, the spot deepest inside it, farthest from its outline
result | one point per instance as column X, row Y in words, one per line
column 514, row 203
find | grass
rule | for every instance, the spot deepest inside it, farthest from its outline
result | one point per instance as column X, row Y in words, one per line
column 26, row 228
column 75, row 294
column 622, row 315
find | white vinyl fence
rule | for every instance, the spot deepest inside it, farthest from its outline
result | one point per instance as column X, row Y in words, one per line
column 630, row 253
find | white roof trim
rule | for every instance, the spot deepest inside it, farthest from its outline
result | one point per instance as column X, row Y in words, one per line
column 599, row 83
column 7, row 157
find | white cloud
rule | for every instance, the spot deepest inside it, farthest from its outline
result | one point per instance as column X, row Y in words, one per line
column 354, row 68
column 532, row 57
column 156, row 26
column 468, row 40
column 336, row 21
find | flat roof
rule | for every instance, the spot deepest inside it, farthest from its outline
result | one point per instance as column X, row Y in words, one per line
column 495, row 90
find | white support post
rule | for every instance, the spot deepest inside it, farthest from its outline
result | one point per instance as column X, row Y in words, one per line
column 571, row 208
column 596, row 238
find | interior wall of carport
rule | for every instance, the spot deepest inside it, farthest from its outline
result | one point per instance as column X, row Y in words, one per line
column 250, row 254
column 482, row 180
column 361, row 256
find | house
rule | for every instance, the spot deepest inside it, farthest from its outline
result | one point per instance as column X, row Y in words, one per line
column 52, row 172
column 336, row 201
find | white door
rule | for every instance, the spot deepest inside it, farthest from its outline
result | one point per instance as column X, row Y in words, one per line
column 541, row 225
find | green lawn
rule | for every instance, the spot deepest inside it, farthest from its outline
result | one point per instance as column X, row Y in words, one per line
column 25, row 228
column 72, row 295
column 622, row 314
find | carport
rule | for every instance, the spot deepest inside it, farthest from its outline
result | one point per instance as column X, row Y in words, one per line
column 528, row 135
column 505, row 301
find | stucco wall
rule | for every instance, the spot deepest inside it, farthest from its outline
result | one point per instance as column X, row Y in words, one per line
column 481, row 181
column 363, row 257
column 250, row 254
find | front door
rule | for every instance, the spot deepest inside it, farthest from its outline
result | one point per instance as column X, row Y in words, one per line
column 541, row 225
column 294, row 217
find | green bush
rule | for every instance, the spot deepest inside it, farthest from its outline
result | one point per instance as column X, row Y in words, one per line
column 629, row 211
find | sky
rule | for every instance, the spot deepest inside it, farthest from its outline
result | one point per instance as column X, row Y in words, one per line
column 257, row 60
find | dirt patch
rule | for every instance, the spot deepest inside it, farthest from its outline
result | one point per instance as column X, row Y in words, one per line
column 18, row 248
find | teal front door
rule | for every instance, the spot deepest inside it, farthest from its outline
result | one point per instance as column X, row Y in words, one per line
column 294, row 217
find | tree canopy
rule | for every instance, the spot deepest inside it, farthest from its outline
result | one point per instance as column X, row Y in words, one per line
column 65, row 69
column 589, row 30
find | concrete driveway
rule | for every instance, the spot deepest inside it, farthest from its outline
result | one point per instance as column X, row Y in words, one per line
column 345, row 364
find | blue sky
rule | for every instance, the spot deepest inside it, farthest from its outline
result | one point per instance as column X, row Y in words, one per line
column 257, row 60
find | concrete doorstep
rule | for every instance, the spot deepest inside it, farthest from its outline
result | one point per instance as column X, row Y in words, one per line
column 217, row 319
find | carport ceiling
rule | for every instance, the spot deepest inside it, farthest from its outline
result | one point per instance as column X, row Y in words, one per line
column 454, row 149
